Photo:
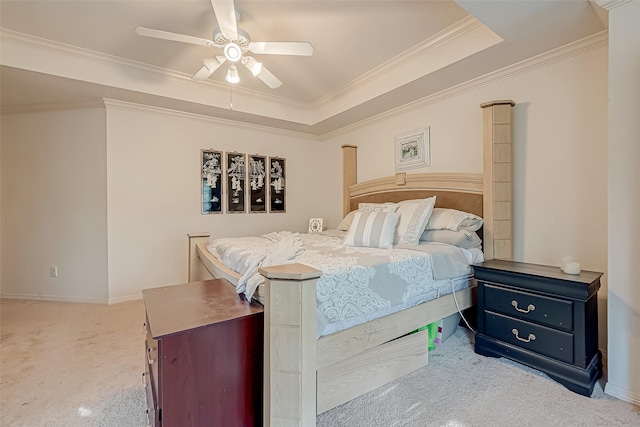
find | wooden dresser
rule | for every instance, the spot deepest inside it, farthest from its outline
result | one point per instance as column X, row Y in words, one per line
column 541, row 317
column 204, row 356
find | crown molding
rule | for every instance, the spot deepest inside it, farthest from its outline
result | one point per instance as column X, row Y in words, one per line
column 112, row 61
column 124, row 105
column 43, row 108
column 559, row 54
column 610, row 4
column 461, row 27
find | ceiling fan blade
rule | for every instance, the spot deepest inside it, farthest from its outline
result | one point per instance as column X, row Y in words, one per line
column 210, row 65
column 282, row 48
column 226, row 15
column 165, row 35
column 269, row 79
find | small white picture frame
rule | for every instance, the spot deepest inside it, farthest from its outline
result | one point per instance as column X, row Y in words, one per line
column 315, row 225
column 413, row 149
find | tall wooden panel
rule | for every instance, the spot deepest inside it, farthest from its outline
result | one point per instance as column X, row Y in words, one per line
column 498, row 179
column 349, row 174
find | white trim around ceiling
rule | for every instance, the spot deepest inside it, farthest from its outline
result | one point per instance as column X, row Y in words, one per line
column 460, row 40
column 581, row 46
column 45, row 56
column 444, row 36
column 610, row 4
column 40, row 108
column 564, row 52
column 124, row 105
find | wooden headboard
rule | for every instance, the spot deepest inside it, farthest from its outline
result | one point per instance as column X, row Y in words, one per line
column 456, row 191
column 489, row 195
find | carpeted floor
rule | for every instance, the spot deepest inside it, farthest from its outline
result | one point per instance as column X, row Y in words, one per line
column 70, row 365
column 462, row 389
column 67, row 365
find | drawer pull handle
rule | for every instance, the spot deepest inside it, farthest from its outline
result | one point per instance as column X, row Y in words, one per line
column 532, row 337
column 144, row 328
column 144, row 378
column 531, row 307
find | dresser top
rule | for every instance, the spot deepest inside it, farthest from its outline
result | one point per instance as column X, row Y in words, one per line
column 585, row 277
column 177, row 308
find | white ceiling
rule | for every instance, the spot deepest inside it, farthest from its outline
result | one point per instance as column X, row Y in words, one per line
column 369, row 56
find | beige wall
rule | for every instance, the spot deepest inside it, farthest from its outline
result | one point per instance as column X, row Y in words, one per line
column 560, row 154
column 624, row 200
column 64, row 173
column 154, row 191
column 54, row 205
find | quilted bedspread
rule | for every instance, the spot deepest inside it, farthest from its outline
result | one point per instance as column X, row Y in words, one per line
column 357, row 284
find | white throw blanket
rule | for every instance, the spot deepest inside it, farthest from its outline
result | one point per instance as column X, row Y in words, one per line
column 287, row 246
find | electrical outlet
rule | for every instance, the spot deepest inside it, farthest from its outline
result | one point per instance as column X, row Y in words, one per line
column 53, row 271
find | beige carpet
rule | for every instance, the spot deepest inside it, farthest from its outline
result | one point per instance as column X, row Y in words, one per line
column 67, row 365
column 462, row 389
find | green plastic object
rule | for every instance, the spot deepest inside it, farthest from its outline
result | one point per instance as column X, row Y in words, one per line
column 433, row 333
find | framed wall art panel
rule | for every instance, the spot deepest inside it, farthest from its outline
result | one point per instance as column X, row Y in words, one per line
column 277, row 183
column 212, row 188
column 257, row 184
column 236, row 183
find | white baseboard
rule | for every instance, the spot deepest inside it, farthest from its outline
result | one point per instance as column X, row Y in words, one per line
column 125, row 299
column 73, row 299
column 55, row 298
column 622, row 393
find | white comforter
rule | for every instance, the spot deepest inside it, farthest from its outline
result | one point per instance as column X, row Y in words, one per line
column 357, row 284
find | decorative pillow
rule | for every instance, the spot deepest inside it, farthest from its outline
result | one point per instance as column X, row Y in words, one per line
column 452, row 219
column 372, row 229
column 463, row 238
column 377, row 207
column 414, row 215
column 346, row 221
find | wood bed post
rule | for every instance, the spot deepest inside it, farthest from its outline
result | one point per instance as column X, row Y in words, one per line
column 498, row 179
column 349, row 174
column 290, row 345
column 195, row 266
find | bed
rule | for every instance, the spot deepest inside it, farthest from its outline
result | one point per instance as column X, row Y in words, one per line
column 307, row 371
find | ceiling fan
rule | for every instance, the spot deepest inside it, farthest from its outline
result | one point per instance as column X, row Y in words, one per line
column 235, row 44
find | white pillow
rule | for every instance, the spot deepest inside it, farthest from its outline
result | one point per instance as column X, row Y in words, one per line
column 346, row 221
column 463, row 239
column 452, row 219
column 372, row 229
column 414, row 215
column 377, row 207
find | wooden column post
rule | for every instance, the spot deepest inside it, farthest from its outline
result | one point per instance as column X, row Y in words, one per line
column 498, row 179
column 290, row 345
column 349, row 174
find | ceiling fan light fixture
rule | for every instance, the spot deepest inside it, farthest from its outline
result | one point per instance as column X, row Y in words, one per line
column 254, row 66
column 232, row 75
column 232, row 51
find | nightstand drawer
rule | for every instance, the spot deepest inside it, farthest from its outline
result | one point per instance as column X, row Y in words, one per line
column 536, row 338
column 531, row 307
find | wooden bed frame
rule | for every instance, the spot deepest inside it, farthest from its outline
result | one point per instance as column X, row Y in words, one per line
column 305, row 376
